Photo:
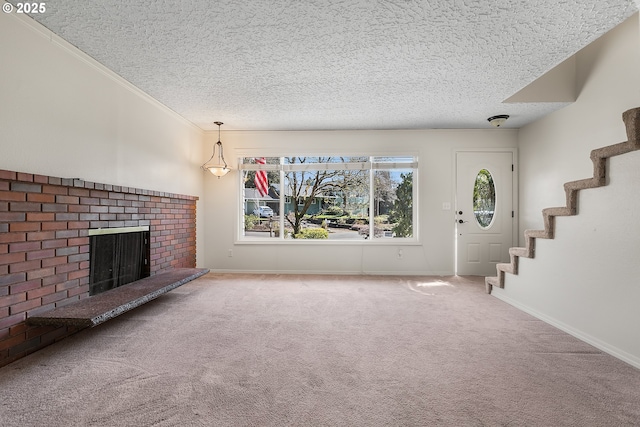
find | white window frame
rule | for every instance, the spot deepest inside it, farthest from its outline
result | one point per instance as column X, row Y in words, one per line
column 371, row 166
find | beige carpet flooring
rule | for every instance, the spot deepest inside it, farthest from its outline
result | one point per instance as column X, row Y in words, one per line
column 276, row 350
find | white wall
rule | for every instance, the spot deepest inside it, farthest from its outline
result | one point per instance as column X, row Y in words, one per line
column 62, row 114
column 587, row 280
column 433, row 254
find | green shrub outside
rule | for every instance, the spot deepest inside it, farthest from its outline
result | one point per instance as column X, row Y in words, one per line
column 250, row 221
column 344, row 219
column 334, row 211
column 381, row 219
column 312, row 233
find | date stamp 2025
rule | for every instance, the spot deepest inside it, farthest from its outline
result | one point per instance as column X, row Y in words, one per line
column 31, row 8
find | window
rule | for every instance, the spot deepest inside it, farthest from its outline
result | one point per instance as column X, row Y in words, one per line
column 484, row 199
column 328, row 198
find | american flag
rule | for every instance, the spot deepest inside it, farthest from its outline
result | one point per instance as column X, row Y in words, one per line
column 262, row 184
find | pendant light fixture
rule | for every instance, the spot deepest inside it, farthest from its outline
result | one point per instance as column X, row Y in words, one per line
column 220, row 167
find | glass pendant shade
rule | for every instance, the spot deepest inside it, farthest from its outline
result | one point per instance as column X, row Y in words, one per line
column 218, row 170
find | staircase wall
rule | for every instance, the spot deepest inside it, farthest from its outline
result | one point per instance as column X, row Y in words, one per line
column 555, row 149
column 587, row 280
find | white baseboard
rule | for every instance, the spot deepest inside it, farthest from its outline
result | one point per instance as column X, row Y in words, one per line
column 597, row 343
column 342, row 273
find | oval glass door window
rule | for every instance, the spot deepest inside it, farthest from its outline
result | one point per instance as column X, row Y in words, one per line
column 484, row 199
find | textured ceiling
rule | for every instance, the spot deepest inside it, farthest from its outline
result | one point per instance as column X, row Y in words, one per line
column 336, row 64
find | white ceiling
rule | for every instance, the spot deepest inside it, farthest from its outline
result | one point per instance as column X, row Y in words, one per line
column 336, row 64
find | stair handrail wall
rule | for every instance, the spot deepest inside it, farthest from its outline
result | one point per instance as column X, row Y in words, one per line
column 599, row 156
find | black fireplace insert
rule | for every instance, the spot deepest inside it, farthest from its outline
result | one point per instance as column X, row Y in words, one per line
column 117, row 256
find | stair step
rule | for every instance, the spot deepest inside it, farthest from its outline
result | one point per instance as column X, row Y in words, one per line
column 490, row 282
column 559, row 211
column 505, row 267
column 520, row 252
column 537, row 234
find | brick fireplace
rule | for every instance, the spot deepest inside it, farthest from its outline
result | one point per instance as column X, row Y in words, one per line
column 44, row 245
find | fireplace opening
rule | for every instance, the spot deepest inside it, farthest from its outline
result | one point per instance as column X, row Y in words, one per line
column 117, row 256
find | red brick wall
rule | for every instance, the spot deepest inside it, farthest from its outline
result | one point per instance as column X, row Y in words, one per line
column 44, row 245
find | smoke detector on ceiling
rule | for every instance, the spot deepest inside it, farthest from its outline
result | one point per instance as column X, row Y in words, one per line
column 498, row 121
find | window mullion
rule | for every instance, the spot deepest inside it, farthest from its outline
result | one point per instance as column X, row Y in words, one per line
column 371, row 203
column 282, row 201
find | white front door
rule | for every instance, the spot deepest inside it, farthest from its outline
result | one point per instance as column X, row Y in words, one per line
column 484, row 211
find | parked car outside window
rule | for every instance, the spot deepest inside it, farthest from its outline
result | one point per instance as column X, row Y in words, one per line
column 263, row 212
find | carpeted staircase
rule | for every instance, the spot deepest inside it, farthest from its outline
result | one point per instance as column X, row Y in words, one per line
column 599, row 158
